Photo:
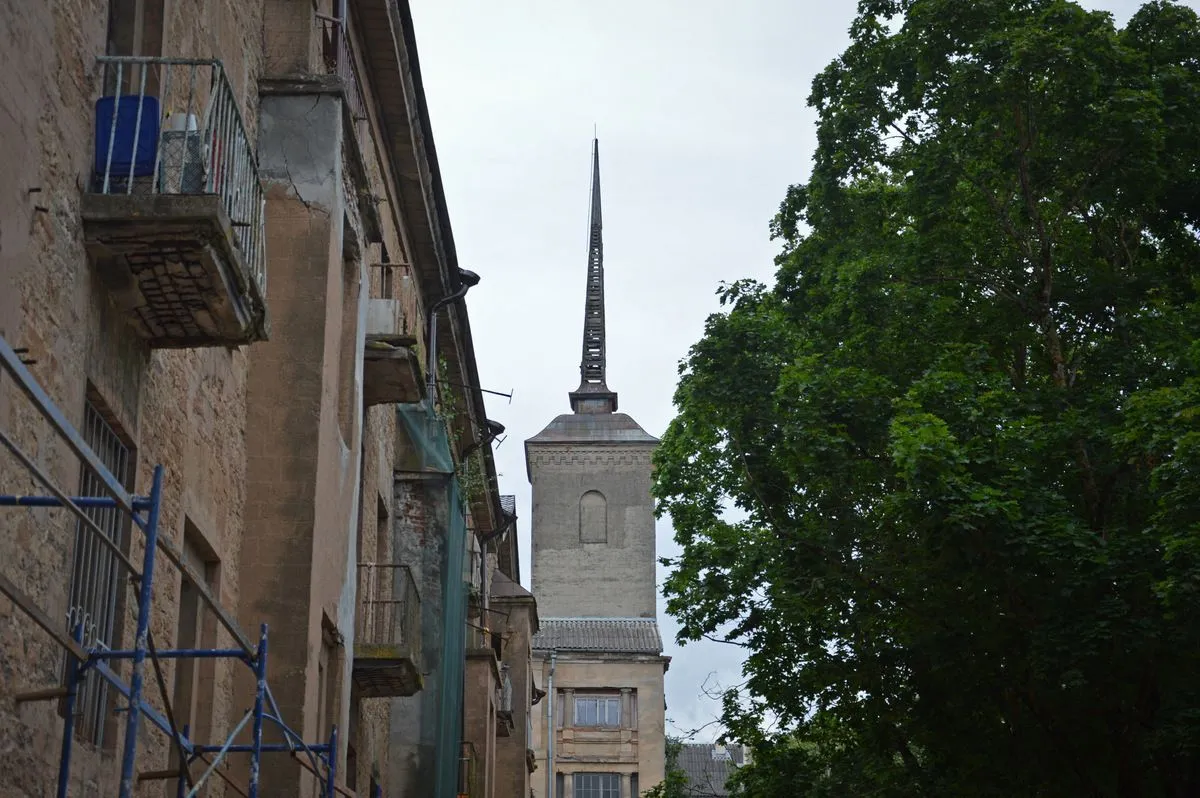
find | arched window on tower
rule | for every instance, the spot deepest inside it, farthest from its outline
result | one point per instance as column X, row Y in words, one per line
column 593, row 517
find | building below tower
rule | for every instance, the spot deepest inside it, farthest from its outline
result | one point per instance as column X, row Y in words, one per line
column 608, row 715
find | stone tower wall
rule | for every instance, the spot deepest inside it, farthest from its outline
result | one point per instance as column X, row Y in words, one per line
column 574, row 573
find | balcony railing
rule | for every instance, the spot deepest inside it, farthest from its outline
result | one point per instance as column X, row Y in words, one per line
column 175, row 199
column 387, row 645
column 338, row 57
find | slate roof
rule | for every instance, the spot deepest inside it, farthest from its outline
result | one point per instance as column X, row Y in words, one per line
column 503, row 587
column 509, row 504
column 616, row 635
column 708, row 767
column 593, row 428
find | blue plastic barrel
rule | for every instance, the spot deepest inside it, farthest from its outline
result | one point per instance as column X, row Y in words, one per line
column 121, row 139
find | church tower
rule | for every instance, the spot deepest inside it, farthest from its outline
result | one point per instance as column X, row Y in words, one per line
column 593, row 518
column 600, row 653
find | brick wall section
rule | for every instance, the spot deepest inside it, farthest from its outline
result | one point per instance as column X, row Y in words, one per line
column 420, row 511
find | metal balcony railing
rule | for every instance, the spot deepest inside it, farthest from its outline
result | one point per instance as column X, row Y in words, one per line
column 338, row 57
column 173, row 126
column 389, row 608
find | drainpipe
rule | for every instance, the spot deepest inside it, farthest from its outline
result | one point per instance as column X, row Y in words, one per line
column 550, row 727
column 467, row 280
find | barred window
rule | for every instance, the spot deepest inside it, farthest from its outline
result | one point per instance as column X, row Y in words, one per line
column 96, row 577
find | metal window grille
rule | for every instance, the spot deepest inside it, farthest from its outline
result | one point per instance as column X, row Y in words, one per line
column 597, row 785
column 95, row 587
column 597, row 711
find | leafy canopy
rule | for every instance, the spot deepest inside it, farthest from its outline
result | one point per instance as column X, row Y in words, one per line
column 942, row 479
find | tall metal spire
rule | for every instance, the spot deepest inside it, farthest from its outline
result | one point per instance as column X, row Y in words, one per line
column 593, row 395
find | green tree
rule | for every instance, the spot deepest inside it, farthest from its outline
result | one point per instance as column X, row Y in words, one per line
column 942, row 479
column 675, row 783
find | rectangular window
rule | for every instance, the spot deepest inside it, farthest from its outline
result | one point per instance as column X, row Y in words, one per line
column 329, row 674
column 598, row 710
column 96, row 574
column 195, row 678
column 597, row 785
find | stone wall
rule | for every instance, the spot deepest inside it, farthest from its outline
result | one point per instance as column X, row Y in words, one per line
column 512, row 771
column 421, row 510
column 184, row 410
column 272, row 464
column 575, row 575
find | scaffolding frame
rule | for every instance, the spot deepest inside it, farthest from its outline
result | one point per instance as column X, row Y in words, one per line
column 320, row 759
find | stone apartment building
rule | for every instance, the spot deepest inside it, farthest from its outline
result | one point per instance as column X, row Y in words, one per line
column 598, row 650
column 223, row 248
column 500, row 691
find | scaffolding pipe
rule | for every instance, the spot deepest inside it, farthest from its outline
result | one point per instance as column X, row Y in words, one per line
column 260, row 694
column 140, row 637
column 222, row 751
column 145, row 513
column 10, row 361
column 333, row 755
column 72, row 679
column 65, row 501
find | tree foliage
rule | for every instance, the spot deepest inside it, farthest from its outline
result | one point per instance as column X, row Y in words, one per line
column 942, row 479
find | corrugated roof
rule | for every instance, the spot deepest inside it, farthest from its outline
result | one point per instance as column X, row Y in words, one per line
column 708, row 767
column 616, row 635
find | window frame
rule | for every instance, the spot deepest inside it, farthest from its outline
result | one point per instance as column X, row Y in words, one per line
column 605, row 785
column 95, row 594
column 609, row 701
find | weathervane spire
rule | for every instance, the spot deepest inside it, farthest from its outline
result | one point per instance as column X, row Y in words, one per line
column 593, row 395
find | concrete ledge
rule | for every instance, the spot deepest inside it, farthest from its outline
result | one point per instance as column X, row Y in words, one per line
column 301, row 84
column 172, row 265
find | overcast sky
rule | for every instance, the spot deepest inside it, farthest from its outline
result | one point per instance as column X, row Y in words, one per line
column 700, row 109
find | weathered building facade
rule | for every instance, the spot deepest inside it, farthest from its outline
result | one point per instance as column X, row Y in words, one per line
column 598, row 650
column 223, row 248
column 500, row 693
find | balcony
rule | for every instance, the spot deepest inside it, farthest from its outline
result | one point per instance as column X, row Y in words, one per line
column 387, row 643
column 337, row 55
column 391, row 369
column 173, row 216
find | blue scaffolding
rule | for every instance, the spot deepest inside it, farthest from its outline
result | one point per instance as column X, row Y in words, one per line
column 320, row 759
